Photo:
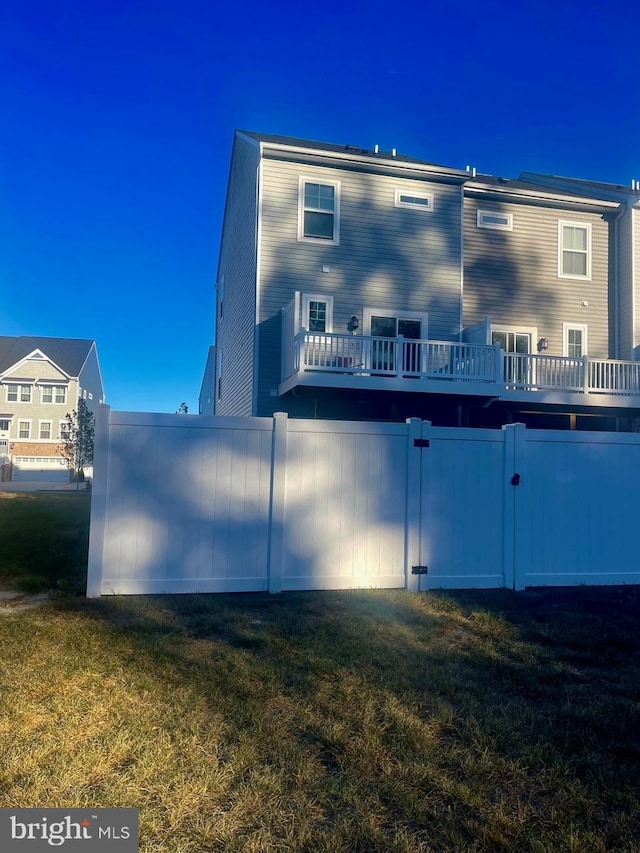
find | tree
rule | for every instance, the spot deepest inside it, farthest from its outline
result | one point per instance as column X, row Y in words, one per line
column 183, row 409
column 78, row 439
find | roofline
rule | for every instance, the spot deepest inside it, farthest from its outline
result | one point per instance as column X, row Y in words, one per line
column 44, row 355
column 478, row 188
column 384, row 160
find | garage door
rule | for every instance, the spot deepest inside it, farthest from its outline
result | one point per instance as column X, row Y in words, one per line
column 40, row 469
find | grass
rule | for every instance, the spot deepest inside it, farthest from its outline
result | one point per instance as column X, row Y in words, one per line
column 333, row 722
column 44, row 538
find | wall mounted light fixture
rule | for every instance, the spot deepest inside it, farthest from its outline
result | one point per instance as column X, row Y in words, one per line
column 543, row 344
column 353, row 324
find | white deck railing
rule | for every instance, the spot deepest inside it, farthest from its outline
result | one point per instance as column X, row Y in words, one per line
column 459, row 362
column 363, row 354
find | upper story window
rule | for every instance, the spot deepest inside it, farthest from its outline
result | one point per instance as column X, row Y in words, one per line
column 18, row 393
column 317, row 312
column 45, row 430
column 421, row 201
column 492, row 219
column 24, row 429
column 54, row 394
column 574, row 250
column 318, row 211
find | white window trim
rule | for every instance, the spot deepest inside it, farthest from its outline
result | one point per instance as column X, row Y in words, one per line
column 303, row 179
column 508, row 226
column 505, row 328
column 53, row 401
column 587, row 226
column 23, row 437
column 369, row 312
column 60, row 425
column 565, row 337
column 316, row 297
column 398, row 202
column 40, row 438
column 19, row 386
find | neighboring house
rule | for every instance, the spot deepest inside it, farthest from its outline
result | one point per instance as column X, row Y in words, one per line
column 205, row 400
column 41, row 381
column 362, row 284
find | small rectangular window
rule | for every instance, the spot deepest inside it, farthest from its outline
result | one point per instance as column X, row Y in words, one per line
column 12, row 393
column 574, row 250
column 318, row 211
column 25, row 393
column 24, row 429
column 422, row 201
column 47, row 394
column 497, row 221
column 64, row 430
column 317, row 312
column 574, row 340
column 4, row 426
column 45, row 429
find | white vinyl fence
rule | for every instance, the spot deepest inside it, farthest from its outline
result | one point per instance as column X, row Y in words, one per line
column 211, row 504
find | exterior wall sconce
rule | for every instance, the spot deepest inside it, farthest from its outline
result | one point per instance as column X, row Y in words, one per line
column 543, row 344
column 353, row 324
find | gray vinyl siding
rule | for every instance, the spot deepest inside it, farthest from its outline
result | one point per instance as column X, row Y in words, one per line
column 91, row 380
column 236, row 329
column 512, row 276
column 625, row 285
column 636, row 281
column 387, row 257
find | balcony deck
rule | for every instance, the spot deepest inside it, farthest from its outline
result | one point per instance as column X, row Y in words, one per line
column 446, row 367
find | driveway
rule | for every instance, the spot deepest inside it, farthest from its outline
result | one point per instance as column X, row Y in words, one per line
column 41, row 487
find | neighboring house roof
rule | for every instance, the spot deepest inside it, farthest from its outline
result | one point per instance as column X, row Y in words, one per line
column 348, row 151
column 69, row 354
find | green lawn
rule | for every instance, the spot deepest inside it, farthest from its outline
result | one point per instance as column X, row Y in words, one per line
column 343, row 721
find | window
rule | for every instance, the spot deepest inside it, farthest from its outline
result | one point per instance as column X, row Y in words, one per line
column 19, row 393
column 45, row 430
column 64, row 430
column 317, row 312
column 54, row 394
column 219, row 369
column 4, row 425
column 318, row 212
column 221, row 298
column 574, row 250
column 24, row 429
column 574, row 340
column 497, row 221
column 423, row 201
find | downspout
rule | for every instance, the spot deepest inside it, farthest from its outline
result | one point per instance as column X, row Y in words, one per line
column 258, row 239
column 461, row 262
column 616, row 279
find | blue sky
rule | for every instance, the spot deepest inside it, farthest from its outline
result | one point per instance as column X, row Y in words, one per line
column 118, row 118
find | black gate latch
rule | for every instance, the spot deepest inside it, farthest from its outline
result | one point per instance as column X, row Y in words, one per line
column 515, row 480
column 421, row 442
column 419, row 570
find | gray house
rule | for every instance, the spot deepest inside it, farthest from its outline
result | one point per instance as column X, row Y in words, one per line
column 41, row 381
column 362, row 284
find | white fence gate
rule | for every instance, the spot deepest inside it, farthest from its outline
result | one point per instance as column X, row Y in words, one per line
column 209, row 504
